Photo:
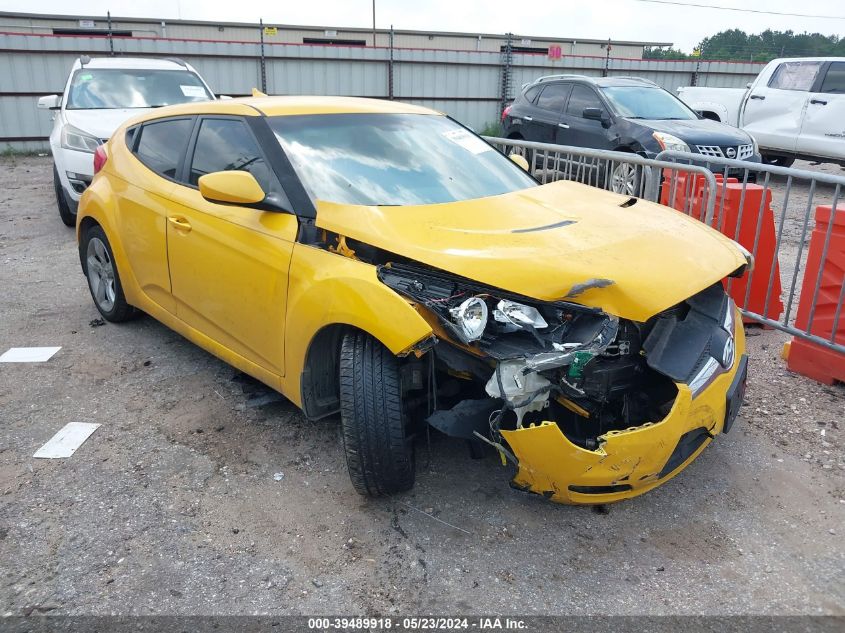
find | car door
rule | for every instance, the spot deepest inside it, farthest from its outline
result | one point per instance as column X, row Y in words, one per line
column 773, row 111
column 143, row 203
column 823, row 127
column 229, row 264
column 541, row 124
column 574, row 129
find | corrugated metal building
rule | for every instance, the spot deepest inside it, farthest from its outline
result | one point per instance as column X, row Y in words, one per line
column 470, row 85
column 281, row 33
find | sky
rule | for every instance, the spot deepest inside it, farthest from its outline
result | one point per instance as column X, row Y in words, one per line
column 639, row 20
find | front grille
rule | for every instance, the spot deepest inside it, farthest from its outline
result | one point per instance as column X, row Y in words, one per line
column 741, row 152
column 710, row 150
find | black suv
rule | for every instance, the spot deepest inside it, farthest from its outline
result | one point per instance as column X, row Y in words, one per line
column 626, row 114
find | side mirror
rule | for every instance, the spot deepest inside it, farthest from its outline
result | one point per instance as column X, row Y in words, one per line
column 596, row 114
column 231, row 187
column 519, row 159
column 50, row 102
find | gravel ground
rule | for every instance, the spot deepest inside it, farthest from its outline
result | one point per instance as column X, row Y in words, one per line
column 174, row 505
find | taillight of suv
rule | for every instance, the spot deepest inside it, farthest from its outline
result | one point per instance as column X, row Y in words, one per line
column 100, row 158
column 505, row 112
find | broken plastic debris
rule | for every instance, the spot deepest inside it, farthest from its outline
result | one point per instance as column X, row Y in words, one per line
column 67, row 440
column 28, row 354
column 279, row 476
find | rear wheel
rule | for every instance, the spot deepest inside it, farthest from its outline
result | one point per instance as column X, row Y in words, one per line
column 379, row 448
column 65, row 213
column 103, row 280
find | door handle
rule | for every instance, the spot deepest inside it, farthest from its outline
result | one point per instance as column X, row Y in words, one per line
column 528, row 118
column 761, row 97
column 563, row 125
column 818, row 101
column 180, row 223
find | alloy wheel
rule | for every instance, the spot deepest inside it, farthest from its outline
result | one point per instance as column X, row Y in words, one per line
column 100, row 274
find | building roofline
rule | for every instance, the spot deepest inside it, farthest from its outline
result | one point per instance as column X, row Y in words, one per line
column 362, row 29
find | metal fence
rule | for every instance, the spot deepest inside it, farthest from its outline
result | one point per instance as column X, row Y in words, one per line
column 772, row 213
column 468, row 85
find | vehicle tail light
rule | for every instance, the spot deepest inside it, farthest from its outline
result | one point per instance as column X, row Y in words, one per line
column 505, row 113
column 100, row 158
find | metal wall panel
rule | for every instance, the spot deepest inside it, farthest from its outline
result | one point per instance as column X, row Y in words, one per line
column 463, row 83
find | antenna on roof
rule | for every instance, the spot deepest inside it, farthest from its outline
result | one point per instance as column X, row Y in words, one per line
column 257, row 93
column 84, row 59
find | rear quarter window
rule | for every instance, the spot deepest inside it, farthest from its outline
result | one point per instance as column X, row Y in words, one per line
column 162, row 145
column 531, row 94
column 795, row 76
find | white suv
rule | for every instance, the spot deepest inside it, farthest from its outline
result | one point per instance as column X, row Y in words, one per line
column 99, row 96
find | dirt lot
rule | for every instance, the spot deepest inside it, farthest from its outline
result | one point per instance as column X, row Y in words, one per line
column 173, row 505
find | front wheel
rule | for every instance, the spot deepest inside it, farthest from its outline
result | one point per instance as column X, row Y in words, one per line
column 65, row 213
column 103, row 280
column 626, row 179
column 379, row 449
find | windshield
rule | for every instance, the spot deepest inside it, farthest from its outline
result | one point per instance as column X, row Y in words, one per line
column 643, row 102
column 394, row 159
column 113, row 88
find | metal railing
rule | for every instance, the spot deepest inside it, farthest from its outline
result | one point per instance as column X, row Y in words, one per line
column 795, row 193
column 622, row 172
column 698, row 186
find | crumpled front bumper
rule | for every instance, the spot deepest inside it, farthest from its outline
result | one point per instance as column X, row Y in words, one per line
column 628, row 462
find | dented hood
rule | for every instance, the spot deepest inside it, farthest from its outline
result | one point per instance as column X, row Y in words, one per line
column 551, row 242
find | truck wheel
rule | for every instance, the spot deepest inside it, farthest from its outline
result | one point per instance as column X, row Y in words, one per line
column 379, row 450
column 778, row 161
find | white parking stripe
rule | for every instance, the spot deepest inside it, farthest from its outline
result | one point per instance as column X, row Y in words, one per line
column 67, row 440
column 28, row 354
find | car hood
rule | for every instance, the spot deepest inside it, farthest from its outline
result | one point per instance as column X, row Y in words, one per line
column 698, row 131
column 560, row 241
column 101, row 123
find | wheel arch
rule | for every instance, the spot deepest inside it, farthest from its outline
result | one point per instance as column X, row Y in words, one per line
column 330, row 296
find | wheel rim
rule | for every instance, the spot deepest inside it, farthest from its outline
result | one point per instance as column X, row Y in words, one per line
column 100, row 274
column 624, row 179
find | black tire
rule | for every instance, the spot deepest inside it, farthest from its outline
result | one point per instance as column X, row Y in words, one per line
column 65, row 213
column 379, row 451
column 115, row 308
column 778, row 161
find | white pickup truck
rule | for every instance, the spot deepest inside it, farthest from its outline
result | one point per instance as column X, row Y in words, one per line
column 795, row 108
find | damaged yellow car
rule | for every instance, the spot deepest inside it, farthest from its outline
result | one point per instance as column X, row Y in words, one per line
column 379, row 261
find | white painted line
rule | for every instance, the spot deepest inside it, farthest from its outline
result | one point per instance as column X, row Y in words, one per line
column 28, row 354
column 65, row 442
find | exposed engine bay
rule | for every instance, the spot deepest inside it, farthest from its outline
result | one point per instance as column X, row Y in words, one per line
column 504, row 361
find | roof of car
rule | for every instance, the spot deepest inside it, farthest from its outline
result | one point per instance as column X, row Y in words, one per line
column 281, row 106
column 596, row 81
column 150, row 63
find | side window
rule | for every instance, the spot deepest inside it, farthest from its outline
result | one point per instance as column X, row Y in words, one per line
column 795, row 76
column 225, row 145
column 161, row 145
column 582, row 97
column 834, row 80
column 553, row 97
column 531, row 94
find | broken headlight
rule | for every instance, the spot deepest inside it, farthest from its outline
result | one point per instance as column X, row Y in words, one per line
column 519, row 316
column 471, row 318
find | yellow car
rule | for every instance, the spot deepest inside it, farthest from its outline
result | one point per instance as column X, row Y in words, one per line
column 380, row 261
